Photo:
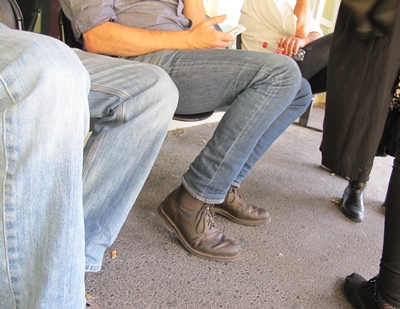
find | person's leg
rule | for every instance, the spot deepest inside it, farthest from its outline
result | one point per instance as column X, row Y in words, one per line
column 389, row 274
column 263, row 110
column 259, row 88
column 316, row 57
column 134, row 104
column 275, row 130
column 318, row 81
column 383, row 291
column 44, row 120
column 234, row 206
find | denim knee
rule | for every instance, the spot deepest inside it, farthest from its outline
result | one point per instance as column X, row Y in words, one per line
column 168, row 91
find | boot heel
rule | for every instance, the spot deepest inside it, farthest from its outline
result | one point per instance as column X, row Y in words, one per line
column 192, row 222
column 165, row 220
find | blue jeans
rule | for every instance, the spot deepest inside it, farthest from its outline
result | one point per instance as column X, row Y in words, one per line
column 48, row 214
column 265, row 94
column 133, row 104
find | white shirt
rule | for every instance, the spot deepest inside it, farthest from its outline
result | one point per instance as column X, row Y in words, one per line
column 267, row 21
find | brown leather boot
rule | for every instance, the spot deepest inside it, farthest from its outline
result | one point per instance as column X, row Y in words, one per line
column 193, row 222
column 238, row 210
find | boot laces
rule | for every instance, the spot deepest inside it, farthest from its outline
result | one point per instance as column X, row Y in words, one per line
column 235, row 194
column 370, row 285
column 241, row 201
column 205, row 218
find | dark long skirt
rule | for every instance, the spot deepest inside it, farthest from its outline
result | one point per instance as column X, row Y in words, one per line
column 361, row 75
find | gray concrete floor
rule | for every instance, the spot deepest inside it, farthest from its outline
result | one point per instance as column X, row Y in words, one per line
column 298, row 260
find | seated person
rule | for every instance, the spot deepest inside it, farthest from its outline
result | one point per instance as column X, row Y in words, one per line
column 289, row 24
column 265, row 93
column 61, row 208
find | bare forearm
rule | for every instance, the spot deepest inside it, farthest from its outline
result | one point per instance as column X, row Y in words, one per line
column 119, row 40
column 302, row 10
column 194, row 10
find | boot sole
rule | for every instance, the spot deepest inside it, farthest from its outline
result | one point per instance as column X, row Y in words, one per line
column 241, row 221
column 355, row 219
column 352, row 218
column 169, row 224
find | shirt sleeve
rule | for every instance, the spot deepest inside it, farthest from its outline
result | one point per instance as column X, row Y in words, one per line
column 87, row 14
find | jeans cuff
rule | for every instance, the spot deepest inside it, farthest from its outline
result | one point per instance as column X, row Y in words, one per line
column 89, row 268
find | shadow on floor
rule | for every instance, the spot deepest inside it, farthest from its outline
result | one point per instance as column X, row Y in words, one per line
column 299, row 260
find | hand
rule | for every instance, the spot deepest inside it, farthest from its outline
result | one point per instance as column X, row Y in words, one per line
column 292, row 45
column 204, row 36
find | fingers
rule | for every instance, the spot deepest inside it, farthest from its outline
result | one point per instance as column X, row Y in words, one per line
column 291, row 45
column 226, row 43
column 215, row 20
column 227, row 37
column 224, row 38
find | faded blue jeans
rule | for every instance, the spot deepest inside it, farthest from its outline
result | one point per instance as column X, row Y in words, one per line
column 133, row 104
column 265, row 94
column 48, row 215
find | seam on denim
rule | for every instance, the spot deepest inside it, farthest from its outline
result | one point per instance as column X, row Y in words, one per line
column 277, row 79
column 92, row 267
column 3, row 210
column 238, row 136
column 119, row 120
column 199, row 197
column 123, row 95
column 236, row 184
column 90, row 155
column 7, row 89
column 119, row 111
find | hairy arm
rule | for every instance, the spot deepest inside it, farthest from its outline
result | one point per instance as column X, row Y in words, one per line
column 118, row 40
column 194, row 10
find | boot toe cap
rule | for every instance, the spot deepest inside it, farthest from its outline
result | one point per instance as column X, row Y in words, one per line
column 353, row 213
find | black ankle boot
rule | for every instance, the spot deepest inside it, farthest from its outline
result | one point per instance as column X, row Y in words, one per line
column 353, row 200
column 363, row 294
